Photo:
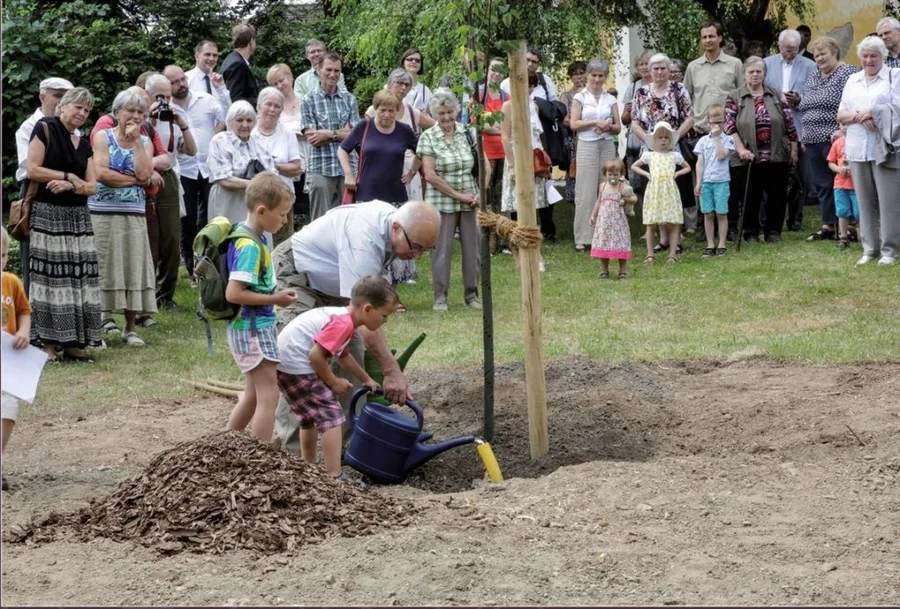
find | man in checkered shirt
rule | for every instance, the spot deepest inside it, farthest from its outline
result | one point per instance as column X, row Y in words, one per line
column 327, row 115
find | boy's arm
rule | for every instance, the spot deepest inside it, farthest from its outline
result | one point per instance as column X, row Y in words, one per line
column 349, row 363
column 23, row 334
column 835, row 167
column 318, row 357
column 237, row 293
column 721, row 151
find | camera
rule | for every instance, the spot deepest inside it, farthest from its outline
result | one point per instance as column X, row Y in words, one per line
column 164, row 111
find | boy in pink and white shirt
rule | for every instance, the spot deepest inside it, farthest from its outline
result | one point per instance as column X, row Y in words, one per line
column 308, row 348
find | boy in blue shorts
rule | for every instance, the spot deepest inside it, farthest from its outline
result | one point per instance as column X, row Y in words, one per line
column 714, row 180
column 846, row 205
column 251, row 283
column 309, row 345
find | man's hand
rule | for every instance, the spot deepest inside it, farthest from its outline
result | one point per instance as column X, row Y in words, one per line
column 396, row 389
column 20, row 341
column 216, row 79
column 793, row 98
column 341, row 386
column 319, row 138
column 285, row 298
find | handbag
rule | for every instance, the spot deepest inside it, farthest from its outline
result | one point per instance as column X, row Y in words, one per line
column 19, row 227
column 254, row 167
column 541, row 163
column 349, row 195
column 474, row 150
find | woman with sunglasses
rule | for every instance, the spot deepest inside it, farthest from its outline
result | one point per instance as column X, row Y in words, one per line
column 419, row 95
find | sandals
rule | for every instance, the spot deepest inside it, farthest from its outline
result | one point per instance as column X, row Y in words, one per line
column 842, row 243
column 72, row 357
column 145, row 321
column 133, row 340
column 604, row 275
column 721, row 251
column 623, row 274
column 649, row 259
column 708, row 252
column 823, row 234
column 110, row 328
column 671, row 260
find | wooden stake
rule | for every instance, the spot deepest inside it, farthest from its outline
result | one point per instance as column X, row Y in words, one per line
column 529, row 258
column 217, row 390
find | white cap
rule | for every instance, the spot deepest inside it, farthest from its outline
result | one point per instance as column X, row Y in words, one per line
column 56, row 83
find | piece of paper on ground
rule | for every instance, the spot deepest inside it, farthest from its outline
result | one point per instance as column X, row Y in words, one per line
column 21, row 368
column 553, row 195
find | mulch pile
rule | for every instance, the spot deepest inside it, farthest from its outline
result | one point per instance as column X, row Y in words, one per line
column 224, row 491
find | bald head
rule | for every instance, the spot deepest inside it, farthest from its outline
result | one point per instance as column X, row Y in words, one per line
column 178, row 81
column 415, row 229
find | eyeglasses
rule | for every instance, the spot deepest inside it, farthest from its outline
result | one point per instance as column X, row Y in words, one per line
column 414, row 59
column 414, row 247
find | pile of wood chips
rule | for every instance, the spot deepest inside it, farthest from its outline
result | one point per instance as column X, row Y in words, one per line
column 224, row 491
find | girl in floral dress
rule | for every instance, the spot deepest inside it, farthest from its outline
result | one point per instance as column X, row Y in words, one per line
column 612, row 239
column 662, row 201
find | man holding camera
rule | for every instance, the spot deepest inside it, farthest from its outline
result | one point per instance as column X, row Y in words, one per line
column 172, row 125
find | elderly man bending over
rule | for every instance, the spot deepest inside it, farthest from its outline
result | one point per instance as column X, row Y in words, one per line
column 323, row 261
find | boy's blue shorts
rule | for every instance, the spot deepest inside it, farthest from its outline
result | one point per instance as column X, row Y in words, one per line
column 714, row 197
column 846, row 204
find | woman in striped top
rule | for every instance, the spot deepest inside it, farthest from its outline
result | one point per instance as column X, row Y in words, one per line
column 123, row 163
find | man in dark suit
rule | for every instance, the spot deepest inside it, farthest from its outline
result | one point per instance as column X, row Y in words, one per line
column 236, row 67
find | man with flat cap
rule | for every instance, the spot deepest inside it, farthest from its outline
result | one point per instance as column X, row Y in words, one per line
column 51, row 90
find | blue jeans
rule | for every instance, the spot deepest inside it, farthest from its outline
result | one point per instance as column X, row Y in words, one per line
column 823, row 178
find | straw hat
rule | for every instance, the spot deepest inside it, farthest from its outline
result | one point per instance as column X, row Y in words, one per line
column 661, row 125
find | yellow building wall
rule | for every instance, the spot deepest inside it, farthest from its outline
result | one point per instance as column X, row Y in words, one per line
column 847, row 21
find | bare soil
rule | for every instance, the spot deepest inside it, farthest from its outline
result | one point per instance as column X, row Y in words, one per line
column 697, row 483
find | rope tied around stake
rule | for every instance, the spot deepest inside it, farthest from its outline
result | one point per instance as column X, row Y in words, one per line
column 521, row 237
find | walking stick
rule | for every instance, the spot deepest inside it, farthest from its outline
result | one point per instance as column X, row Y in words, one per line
column 740, row 236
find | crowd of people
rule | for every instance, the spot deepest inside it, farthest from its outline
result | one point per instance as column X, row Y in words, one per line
column 117, row 210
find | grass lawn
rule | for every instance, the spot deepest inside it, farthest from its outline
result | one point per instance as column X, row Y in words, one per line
column 793, row 301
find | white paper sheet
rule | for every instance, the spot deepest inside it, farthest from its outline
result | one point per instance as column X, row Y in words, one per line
column 21, row 369
column 552, row 194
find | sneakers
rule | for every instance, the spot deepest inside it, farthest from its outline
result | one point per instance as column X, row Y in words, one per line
column 474, row 304
column 133, row 340
column 886, row 261
column 865, row 260
column 440, row 307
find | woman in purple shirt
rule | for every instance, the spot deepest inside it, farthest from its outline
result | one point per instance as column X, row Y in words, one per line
column 382, row 143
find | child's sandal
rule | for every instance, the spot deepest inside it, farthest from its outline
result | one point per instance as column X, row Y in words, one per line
column 604, row 275
column 623, row 274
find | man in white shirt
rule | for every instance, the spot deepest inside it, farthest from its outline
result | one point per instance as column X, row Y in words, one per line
column 205, row 118
column 51, row 90
column 327, row 257
column 308, row 82
column 787, row 71
column 178, row 140
column 203, row 78
column 545, row 89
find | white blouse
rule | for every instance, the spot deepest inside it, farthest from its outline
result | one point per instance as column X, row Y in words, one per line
column 418, row 97
column 862, row 94
column 229, row 156
column 592, row 109
column 283, row 147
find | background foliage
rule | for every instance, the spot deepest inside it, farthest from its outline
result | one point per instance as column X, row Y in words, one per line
column 105, row 44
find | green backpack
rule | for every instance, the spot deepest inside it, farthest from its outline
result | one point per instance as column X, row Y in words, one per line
column 211, row 270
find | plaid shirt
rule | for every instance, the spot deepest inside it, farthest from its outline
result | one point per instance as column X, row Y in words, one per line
column 453, row 162
column 892, row 62
column 321, row 110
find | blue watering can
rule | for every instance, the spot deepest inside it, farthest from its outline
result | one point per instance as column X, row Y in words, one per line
column 387, row 445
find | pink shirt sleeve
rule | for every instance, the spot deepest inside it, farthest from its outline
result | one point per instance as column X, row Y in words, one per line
column 336, row 334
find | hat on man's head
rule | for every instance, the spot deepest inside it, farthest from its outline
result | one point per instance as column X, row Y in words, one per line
column 56, row 83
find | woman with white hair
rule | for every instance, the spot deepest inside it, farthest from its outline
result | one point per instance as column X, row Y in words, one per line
column 280, row 142
column 123, row 161
column 760, row 120
column 664, row 101
column 595, row 119
column 234, row 158
column 65, row 306
column 448, row 161
column 876, row 181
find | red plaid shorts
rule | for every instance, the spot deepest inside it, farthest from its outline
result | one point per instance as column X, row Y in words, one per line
column 311, row 400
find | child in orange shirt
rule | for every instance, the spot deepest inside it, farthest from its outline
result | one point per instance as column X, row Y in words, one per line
column 17, row 322
column 845, row 202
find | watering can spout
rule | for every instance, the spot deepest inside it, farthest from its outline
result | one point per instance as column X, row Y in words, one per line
column 403, row 359
column 422, row 453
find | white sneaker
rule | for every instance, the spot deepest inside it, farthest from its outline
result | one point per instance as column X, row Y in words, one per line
column 474, row 304
column 865, row 260
column 410, row 282
column 886, row 261
column 440, row 307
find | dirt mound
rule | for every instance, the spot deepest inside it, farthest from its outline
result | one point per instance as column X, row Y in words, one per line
column 221, row 492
